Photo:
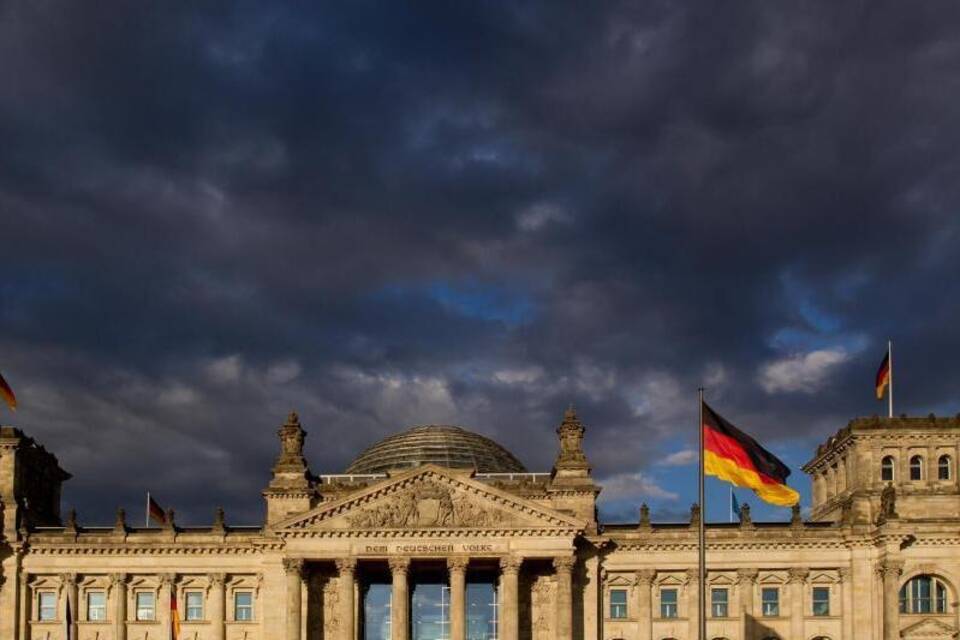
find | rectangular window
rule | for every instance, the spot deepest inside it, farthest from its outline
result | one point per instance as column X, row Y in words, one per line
column 47, row 605
column 618, row 603
column 668, row 603
column 770, row 597
column 243, row 606
column 194, row 605
column 718, row 603
column 96, row 606
column 821, row 601
column 146, row 606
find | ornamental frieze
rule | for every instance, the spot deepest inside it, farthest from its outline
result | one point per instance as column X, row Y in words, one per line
column 429, row 505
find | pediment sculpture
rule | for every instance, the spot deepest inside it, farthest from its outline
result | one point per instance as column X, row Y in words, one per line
column 428, row 505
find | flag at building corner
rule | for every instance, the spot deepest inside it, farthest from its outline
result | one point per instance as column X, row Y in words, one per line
column 883, row 376
column 733, row 456
column 155, row 511
column 174, row 614
column 7, row 394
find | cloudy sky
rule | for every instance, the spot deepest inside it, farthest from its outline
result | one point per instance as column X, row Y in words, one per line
column 386, row 213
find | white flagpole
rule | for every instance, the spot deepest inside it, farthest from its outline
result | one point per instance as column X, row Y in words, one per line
column 890, row 363
column 702, row 560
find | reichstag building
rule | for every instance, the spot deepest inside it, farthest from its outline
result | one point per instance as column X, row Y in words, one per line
column 437, row 533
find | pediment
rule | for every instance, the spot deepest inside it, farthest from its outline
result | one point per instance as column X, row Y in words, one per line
column 429, row 498
column 619, row 581
column 671, row 580
column 929, row 628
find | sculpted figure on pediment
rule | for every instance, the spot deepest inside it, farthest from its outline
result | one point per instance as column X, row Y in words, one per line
column 428, row 505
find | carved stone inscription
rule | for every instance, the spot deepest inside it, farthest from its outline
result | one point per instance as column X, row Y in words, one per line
column 429, row 505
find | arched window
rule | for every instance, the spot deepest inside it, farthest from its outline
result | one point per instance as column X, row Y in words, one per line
column 923, row 594
column 886, row 469
column 916, row 468
column 943, row 467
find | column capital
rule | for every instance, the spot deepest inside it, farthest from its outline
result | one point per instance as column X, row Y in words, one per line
column 217, row 579
column 693, row 576
column 798, row 574
column 118, row 579
column 844, row 573
column 167, row 579
column 68, row 579
column 747, row 576
column 346, row 565
column 457, row 564
column 511, row 564
column 293, row 566
column 564, row 564
column 399, row 565
column 890, row 568
column 645, row 577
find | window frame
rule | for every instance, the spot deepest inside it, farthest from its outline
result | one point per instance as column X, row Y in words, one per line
column 102, row 608
column 888, row 464
column 53, row 608
column 669, row 609
column 237, row 607
column 137, row 609
column 187, row 616
column 937, row 600
column 618, row 610
column 715, row 605
column 916, row 464
column 945, row 467
column 824, row 601
column 764, row 612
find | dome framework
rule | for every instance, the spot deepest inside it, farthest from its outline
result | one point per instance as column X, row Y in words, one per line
column 443, row 445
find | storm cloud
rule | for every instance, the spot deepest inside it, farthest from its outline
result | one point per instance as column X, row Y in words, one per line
column 386, row 213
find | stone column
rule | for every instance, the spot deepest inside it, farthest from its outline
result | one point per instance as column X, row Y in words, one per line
column 26, row 599
column 348, row 569
column 798, row 579
column 400, row 599
column 293, row 567
column 563, row 567
column 693, row 603
column 846, row 603
column 69, row 582
column 890, row 571
column 643, row 609
column 509, row 598
column 162, row 607
column 458, row 597
column 118, row 584
column 217, row 605
column 746, row 584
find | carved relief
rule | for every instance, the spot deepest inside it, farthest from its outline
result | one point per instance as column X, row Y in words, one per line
column 428, row 505
column 331, row 602
column 542, row 608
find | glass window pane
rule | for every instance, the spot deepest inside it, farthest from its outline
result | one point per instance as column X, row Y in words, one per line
column 376, row 611
column 96, row 605
column 430, row 612
column 618, row 603
column 194, row 605
column 47, row 606
column 482, row 605
column 668, row 603
column 821, row 601
column 243, row 606
column 771, row 601
column 145, row 605
column 718, row 601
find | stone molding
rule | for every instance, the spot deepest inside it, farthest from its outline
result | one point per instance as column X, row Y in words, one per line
column 346, row 565
column 399, row 564
column 293, row 566
column 458, row 563
column 510, row 564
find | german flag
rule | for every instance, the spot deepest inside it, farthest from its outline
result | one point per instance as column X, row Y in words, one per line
column 7, row 394
column 174, row 614
column 155, row 511
column 732, row 455
column 883, row 376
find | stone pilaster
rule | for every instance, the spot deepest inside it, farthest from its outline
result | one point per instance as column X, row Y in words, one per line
column 118, row 587
column 217, row 605
column 846, row 602
column 746, row 586
column 798, row 580
column 643, row 606
column 563, row 567
column 69, row 582
column 347, row 567
column 693, row 601
column 509, row 598
column 458, row 597
column 890, row 571
column 400, row 600
column 163, row 605
column 293, row 567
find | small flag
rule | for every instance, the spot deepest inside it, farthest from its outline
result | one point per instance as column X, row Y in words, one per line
column 68, row 621
column 733, row 456
column 7, row 394
column 883, row 376
column 174, row 614
column 155, row 511
column 734, row 504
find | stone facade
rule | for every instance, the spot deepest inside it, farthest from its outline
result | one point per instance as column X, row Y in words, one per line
column 877, row 560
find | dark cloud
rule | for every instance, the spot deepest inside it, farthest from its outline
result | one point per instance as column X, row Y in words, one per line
column 386, row 213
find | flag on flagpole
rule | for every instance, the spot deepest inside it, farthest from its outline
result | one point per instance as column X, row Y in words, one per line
column 155, row 511
column 733, row 456
column 734, row 505
column 883, row 376
column 7, row 394
column 174, row 614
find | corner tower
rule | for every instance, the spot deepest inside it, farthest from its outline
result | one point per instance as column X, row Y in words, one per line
column 30, row 482
column 293, row 488
column 916, row 456
column 572, row 488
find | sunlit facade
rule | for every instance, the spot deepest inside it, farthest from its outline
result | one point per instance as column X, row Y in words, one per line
column 437, row 533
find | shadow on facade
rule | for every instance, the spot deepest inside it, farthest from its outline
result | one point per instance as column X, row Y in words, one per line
column 757, row 630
